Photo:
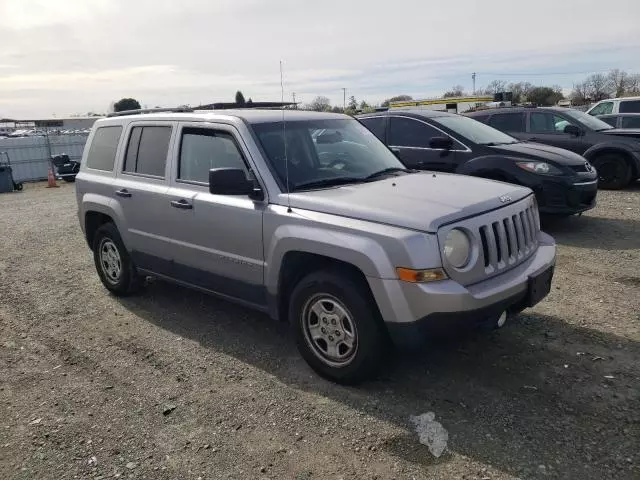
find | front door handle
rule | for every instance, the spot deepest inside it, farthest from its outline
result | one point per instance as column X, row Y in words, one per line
column 181, row 204
column 533, row 139
column 123, row 193
column 395, row 150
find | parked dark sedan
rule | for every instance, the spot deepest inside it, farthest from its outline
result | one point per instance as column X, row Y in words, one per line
column 622, row 120
column 563, row 181
column 615, row 153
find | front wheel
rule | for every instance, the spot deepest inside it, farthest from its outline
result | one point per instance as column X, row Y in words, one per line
column 613, row 170
column 337, row 326
column 113, row 263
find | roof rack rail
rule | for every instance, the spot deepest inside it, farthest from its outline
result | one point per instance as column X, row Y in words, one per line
column 150, row 110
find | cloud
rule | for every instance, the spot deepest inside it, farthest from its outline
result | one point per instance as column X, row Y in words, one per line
column 73, row 56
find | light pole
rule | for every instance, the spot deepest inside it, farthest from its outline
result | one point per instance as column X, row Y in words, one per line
column 344, row 99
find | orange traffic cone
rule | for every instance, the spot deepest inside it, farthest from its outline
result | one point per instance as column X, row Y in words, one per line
column 51, row 179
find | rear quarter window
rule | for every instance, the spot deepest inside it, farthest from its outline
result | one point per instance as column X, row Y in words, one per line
column 630, row 106
column 102, row 151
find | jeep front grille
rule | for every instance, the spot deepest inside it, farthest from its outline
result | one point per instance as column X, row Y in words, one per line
column 509, row 239
column 502, row 239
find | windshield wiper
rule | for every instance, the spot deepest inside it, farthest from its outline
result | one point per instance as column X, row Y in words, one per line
column 386, row 171
column 327, row 182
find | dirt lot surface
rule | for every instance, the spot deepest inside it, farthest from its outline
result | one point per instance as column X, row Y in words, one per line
column 172, row 384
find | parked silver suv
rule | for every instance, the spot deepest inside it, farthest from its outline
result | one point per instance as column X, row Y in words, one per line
column 312, row 220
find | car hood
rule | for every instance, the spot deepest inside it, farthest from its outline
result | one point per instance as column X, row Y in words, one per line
column 537, row 151
column 420, row 201
column 623, row 132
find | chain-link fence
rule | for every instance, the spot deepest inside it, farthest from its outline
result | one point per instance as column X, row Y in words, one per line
column 30, row 156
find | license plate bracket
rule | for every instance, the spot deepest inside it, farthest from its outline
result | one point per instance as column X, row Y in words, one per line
column 539, row 286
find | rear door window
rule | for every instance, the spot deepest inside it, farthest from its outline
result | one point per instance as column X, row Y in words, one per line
column 147, row 150
column 102, row 152
column 631, row 122
column 508, row 122
column 630, row 106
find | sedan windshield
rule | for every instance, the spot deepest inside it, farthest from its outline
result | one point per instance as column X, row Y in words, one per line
column 324, row 153
column 475, row 131
column 587, row 120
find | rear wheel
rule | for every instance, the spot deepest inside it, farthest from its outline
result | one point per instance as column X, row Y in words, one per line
column 613, row 170
column 337, row 326
column 113, row 263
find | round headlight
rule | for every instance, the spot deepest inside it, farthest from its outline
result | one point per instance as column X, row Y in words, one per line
column 457, row 248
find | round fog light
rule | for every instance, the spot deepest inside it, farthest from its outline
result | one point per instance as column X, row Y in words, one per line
column 457, row 248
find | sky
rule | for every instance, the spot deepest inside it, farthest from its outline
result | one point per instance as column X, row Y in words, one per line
column 65, row 57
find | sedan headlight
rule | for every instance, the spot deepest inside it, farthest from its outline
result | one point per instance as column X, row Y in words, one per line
column 543, row 168
column 457, row 248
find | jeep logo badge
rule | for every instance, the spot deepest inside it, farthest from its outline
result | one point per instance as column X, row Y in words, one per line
column 505, row 198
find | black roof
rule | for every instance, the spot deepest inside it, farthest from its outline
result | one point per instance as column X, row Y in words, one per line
column 492, row 111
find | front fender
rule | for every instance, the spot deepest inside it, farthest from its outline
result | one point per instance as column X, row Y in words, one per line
column 493, row 166
column 611, row 147
column 362, row 252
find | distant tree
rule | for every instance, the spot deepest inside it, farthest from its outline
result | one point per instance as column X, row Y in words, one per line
column 126, row 104
column 240, row 98
column 320, row 104
column 456, row 91
column 598, row 87
column 544, row 96
column 337, row 109
column 618, row 81
column 364, row 106
column 580, row 94
column 519, row 91
column 353, row 104
column 249, row 102
column 495, row 86
column 397, row 98
column 633, row 84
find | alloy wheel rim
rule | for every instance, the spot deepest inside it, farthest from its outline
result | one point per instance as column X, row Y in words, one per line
column 110, row 261
column 330, row 330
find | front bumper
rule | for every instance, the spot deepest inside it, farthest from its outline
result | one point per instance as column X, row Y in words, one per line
column 566, row 197
column 408, row 308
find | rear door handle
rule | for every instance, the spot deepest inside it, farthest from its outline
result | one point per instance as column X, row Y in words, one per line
column 123, row 193
column 181, row 204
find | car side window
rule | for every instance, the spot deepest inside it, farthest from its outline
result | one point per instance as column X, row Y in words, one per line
column 508, row 122
column 613, row 121
column 603, row 108
column 376, row 125
column 630, row 106
column 102, row 152
column 630, row 122
column 147, row 150
column 202, row 149
column 545, row 122
column 407, row 132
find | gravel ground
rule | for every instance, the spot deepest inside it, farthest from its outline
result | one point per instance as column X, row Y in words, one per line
column 173, row 384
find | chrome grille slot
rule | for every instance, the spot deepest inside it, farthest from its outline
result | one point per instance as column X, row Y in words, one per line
column 503, row 238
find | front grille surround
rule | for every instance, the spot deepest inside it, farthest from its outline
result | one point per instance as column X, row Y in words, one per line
column 501, row 240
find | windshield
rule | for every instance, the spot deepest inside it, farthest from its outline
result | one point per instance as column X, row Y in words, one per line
column 587, row 120
column 332, row 151
column 473, row 130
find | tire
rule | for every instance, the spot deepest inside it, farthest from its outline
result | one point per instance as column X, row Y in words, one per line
column 113, row 263
column 351, row 314
column 69, row 179
column 613, row 170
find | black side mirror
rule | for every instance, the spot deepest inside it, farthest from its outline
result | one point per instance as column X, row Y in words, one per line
column 230, row 181
column 573, row 130
column 442, row 143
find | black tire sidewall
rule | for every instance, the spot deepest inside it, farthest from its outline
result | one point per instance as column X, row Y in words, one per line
column 361, row 305
column 128, row 278
column 621, row 163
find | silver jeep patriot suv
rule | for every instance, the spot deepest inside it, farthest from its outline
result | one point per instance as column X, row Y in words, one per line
column 311, row 220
